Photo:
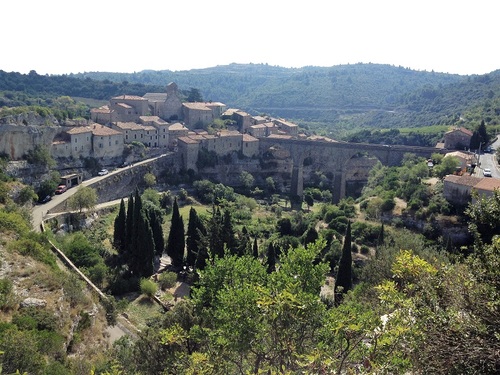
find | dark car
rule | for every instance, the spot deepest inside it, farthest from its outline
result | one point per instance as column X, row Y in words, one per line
column 46, row 199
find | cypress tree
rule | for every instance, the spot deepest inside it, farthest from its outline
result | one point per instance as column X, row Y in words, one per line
column 271, row 258
column 228, row 235
column 155, row 223
column 216, row 242
column 120, row 227
column 129, row 228
column 194, row 232
column 142, row 262
column 343, row 281
column 255, row 248
column 176, row 240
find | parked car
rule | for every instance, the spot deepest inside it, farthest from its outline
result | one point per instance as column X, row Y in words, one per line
column 103, row 172
column 46, row 199
column 61, row 189
column 487, row 172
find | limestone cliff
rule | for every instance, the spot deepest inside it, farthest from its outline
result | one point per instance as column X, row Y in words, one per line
column 21, row 133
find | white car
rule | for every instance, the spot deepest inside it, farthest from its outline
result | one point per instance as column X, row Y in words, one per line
column 103, row 172
column 487, row 172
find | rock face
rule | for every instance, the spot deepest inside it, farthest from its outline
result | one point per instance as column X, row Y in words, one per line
column 20, row 133
column 33, row 302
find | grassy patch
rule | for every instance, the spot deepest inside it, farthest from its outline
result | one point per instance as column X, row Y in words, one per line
column 141, row 310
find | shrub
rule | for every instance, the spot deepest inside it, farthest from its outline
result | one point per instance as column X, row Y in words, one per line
column 7, row 301
column 148, row 287
column 167, row 280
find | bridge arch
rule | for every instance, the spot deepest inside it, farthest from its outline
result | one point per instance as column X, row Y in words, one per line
column 334, row 158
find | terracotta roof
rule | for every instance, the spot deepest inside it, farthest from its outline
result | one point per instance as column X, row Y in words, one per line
column 103, row 109
column 463, row 130
column 459, row 154
column 101, row 130
column 198, row 106
column 128, row 126
column 124, row 105
column 188, row 140
column 488, row 184
column 258, row 126
column 177, row 126
column 79, row 130
column 249, row 138
column 462, row 180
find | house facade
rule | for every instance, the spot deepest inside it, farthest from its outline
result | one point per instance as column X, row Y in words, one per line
column 457, row 139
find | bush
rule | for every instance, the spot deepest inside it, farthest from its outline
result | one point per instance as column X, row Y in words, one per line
column 7, row 301
column 148, row 287
column 167, row 280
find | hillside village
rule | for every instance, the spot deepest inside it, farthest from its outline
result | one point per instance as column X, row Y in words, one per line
column 162, row 123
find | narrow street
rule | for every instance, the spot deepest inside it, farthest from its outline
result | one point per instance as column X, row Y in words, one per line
column 488, row 161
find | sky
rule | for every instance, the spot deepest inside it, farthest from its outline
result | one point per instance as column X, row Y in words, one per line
column 76, row 36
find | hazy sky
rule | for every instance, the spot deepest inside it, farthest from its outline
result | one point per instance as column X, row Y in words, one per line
column 72, row 36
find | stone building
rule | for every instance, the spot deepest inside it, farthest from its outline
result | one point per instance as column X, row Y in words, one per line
column 168, row 105
column 106, row 142
column 132, row 132
column 93, row 140
column 188, row 149
column 200, row 114
column 250, row 146
column 287, row 127
column 102, row 115
column 458, row 189
column 128, row 108
column 175, row 131
column 457, row 139
column 161, row 127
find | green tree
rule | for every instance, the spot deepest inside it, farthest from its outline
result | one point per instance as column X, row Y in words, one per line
column 194, row 95
column 120, row 227
column 255, row 249
column 84, row 198
column 195, row 231
column 149, row 179
column 247, row 181
column 447, row 166
column 176, row 240
column 343, row 280
column 271, row 258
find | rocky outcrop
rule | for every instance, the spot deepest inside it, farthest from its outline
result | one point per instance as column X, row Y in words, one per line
column 21, row 133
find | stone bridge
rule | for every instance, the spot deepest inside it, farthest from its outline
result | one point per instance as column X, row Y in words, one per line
column 334, row 157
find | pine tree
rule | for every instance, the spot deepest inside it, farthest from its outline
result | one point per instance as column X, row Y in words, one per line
column 176, row 240
column 271, row 258
column 120, row 227
column 343, row 281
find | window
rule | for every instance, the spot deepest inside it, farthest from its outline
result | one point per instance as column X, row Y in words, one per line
column 76, row 140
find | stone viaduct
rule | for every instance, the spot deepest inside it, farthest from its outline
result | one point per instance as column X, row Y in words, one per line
column 334, row 157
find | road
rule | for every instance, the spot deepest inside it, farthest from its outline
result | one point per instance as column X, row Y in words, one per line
column 488, row 160
column 41, row 212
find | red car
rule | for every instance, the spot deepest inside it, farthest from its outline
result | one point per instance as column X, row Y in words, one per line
column 61, row 189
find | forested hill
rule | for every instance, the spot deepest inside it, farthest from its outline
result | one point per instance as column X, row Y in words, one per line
column 339, row 97
column 309, row 92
